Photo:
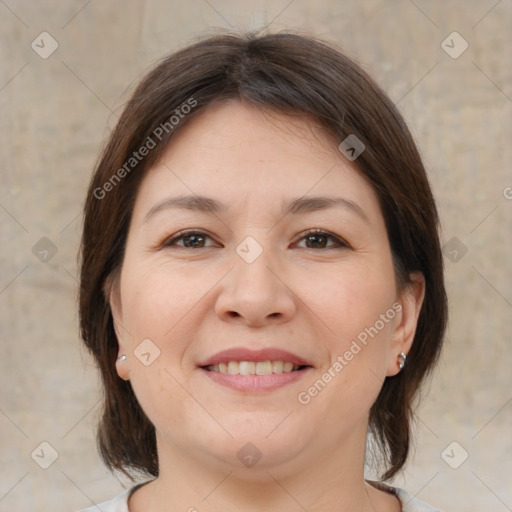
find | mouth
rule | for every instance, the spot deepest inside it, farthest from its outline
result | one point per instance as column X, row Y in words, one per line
column 253, row 371
column 255, row 367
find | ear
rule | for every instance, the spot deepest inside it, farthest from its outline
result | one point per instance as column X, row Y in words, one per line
column 406, row 320
column 113, row 296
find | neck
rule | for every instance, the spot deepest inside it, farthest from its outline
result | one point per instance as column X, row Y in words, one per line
column 327, row 480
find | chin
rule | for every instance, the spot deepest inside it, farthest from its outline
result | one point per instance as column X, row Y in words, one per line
column 256, row 445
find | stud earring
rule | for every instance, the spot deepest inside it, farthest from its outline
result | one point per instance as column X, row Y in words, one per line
column 402, row 358
column 121, row 358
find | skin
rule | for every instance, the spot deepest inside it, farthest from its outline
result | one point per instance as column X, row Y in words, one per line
column 298, row 295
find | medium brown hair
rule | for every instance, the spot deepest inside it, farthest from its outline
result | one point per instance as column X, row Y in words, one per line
column 285, row 73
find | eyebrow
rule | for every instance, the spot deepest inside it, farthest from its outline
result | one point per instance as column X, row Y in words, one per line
column 195, row 203
column 311, row 204
column 297, row 206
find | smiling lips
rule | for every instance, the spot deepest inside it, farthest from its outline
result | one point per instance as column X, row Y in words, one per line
column 253, row 367
column 249, row 370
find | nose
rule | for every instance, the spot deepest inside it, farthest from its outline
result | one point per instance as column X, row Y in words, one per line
column 256, row 294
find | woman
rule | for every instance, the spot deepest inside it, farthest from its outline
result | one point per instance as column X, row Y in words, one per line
column 261, row 282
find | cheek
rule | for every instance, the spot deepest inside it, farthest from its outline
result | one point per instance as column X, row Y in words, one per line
column 158, row 302
column 350, row 301
column 356, row 321
column 158, row 393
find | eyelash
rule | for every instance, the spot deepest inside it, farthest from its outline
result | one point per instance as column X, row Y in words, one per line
column 340, row 243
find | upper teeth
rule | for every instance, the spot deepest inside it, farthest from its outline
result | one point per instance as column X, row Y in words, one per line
column 253, row 368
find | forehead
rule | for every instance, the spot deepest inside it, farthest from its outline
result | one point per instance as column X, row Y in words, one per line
column 249, row 157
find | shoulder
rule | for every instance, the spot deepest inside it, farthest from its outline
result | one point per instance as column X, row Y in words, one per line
column 412, row 504
column 116, row 504
column 409, row 502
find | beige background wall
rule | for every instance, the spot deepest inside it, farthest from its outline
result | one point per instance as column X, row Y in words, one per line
column 55, row 112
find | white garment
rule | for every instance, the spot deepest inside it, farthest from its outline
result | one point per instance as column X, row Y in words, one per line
column 120, row 502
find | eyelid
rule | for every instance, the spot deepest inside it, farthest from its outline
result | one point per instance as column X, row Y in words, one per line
column 319, row 231
column 339, row 241
column 182, row 234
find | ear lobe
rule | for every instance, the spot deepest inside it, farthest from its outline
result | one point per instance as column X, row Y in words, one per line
column 122, row 367
column 411, row 301
column 112, row 294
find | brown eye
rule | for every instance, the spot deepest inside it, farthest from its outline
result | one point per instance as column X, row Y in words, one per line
column 318, row 239
column 191, row 240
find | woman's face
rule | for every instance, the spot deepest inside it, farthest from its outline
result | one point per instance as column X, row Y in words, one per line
column 215, row 290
